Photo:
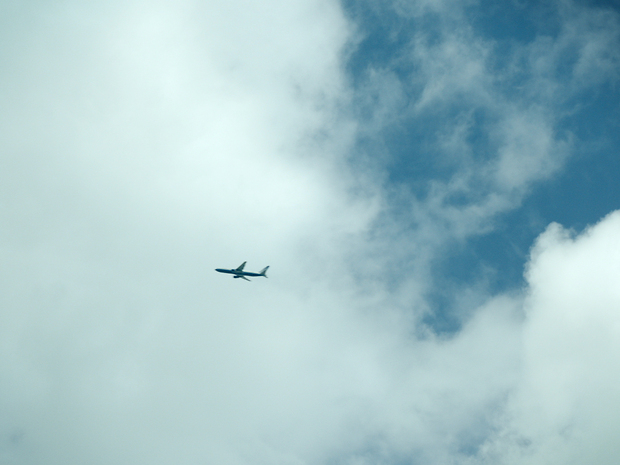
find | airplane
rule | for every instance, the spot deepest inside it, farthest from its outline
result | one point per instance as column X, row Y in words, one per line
column 239, row 273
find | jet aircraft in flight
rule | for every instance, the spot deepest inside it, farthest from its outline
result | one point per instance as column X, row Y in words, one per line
column 239, row 273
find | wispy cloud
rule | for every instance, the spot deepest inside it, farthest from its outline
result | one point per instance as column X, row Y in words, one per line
column 469, row 124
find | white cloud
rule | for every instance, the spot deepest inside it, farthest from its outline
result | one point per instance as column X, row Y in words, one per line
column 529, row 151
column 565, row 407
column 143, row 148
column 454, row 69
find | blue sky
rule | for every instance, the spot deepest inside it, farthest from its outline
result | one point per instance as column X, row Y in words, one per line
column 432, row 183
column 582, row 189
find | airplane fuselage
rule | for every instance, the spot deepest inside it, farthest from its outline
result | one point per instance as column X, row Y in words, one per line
column 239, row 273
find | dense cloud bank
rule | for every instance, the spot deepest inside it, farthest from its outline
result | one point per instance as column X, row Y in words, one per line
column 564, row 407
column 145, row 145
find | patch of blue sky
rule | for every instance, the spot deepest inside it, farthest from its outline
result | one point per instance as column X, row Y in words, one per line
column 580, row 194
column 531, row 67
column 510, row 21
column 383, row 36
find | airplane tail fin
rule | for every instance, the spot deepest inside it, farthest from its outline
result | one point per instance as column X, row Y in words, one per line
column 263, row 272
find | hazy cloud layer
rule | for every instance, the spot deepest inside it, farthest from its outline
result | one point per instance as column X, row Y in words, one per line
column 144, row 145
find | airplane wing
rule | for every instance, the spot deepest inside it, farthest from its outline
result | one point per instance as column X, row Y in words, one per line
column 243, row 277
column 241, row 267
